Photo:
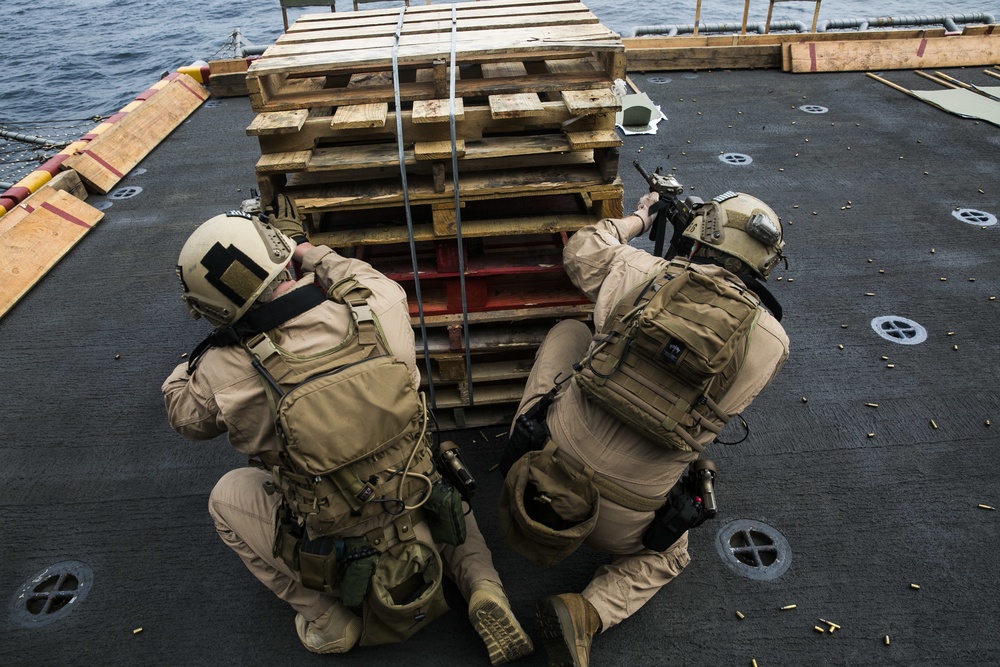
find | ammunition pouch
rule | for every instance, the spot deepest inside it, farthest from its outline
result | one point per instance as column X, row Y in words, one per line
column 547, row 507
column 444, row 514
column 326, row 563
column 405, row 595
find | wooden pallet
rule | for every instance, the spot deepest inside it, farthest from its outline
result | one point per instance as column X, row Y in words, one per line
column 507, row 36
column 526, row 201
column 501, row 273
column 500, row 356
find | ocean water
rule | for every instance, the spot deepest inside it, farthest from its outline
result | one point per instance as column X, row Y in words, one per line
column 91, row 57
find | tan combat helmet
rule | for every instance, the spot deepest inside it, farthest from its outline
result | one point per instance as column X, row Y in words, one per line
column 227, row 263
column 736, row 225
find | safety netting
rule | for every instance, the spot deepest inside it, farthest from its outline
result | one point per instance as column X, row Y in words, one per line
column 24, row 146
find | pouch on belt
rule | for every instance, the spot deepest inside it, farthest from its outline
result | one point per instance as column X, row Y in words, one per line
column 405, row 593
column 547, row 507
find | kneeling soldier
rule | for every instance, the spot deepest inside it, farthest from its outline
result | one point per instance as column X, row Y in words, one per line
column 601, row 457
column 344, row 514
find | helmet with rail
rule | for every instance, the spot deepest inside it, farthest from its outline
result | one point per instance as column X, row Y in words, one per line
column 738, row 230
column 229, row 263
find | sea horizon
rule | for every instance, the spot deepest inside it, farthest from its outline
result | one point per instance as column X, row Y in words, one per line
column 73, row 65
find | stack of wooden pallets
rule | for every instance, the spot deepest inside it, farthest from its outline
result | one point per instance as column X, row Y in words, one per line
column 527, row 117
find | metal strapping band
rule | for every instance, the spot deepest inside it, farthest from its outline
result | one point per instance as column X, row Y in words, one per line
column 458, row 206
column 406, row 202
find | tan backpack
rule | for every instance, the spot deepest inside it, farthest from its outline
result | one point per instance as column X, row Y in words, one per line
column 668, row 354
column 351, row 425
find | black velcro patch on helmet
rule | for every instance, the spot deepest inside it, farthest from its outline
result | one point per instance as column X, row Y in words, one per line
column 232, row 273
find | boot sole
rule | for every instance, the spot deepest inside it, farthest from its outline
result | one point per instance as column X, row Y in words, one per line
column 556, row 628
column 505, row 640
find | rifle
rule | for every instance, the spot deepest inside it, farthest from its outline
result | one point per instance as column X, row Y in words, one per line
column 668, row 209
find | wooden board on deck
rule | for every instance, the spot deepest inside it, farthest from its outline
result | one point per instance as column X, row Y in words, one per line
column 35, row 235
column 106, row 159
column 658, row 53
column 915, row 53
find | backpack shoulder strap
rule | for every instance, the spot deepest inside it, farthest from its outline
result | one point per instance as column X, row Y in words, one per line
column 266, row 317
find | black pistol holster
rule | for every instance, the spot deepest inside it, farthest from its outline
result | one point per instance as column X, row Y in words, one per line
column 689, row 504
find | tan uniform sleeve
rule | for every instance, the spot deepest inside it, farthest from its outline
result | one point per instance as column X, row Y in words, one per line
column 190, row 414
column 600, row 262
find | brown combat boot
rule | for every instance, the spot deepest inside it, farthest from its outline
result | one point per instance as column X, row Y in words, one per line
column 491, row 616
column 567, row 624
column 337, row 630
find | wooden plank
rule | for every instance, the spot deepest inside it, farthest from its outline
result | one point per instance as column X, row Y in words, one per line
column 279, row 163
column 700, row 58
column 475, row 186
column 229, row 85
column 773, row 39
column 227, row 66
column 360, row 116
column 581, row 312
column 560, row 41
column 598, row 139
column 277, row 122
column 419, row 15
column 365, row 30
column 495, row 152
column 569, row 222
column 106, row 159
column 437, row 150
column 437, row 111
column 42, row 230
column 662, row 53
column 571, row 65
column 475, row 122
column 847, row 56
column 289, row 98
column 516, row 105
column 586, row 102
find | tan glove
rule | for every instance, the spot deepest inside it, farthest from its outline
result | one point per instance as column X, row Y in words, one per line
column 648, row 200
column 283, row 217
column 642, row 209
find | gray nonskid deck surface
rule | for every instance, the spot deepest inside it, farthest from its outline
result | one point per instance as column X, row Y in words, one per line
column 93, row 473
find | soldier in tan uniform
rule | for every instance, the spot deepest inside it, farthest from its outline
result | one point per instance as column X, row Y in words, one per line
column 223, row 394
column 601, row 263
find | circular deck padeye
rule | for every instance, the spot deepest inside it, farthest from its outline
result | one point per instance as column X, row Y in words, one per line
column 52, row 593
column 813, row 108
column 659, row 79
column 738, row 159
column 899, row 330
column 754, row 549
column 103, row 205
column 212, row 104
column 126, row 192
column 974, row 217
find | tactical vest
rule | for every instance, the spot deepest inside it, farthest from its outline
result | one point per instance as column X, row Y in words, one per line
column 669, row 352
column 351, row 425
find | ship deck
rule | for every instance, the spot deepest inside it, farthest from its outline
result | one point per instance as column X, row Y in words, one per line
column 870, row 500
